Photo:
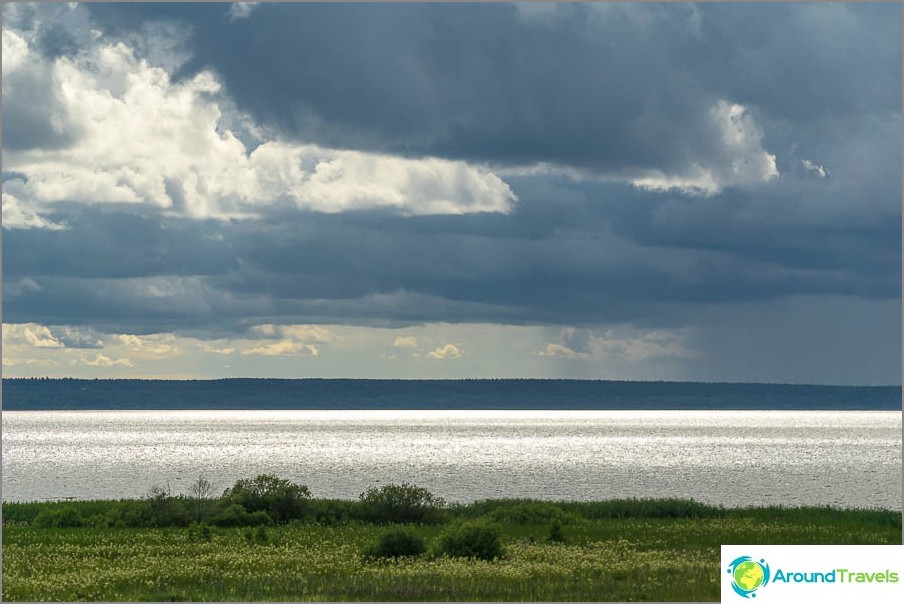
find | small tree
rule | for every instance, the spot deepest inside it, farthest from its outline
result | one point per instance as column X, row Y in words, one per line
column 200, row 490
column 282, row 499
column 402, row 503
column 159, row 492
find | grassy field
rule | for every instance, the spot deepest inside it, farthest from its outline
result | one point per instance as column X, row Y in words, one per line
column 622, row 551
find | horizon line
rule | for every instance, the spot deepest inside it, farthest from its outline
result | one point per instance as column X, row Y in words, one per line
column 458, row 379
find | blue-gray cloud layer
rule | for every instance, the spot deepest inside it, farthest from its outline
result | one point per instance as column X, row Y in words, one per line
column 595, row 85
column 597, row 95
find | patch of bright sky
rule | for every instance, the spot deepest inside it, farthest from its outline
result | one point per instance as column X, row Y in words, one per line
column 435, row 350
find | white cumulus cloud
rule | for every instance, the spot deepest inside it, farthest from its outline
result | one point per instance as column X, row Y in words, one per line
column 559, row 350
column 815, row 168
column 15, row 51
column 274, row 340
column 101, row 360
column 405, row 342
column 207, row 347
column 449, row 351
column 29, row 334
column 284, row 347
column 17, row 215
column 160, row 344
column 139, row 137
column 743, row 160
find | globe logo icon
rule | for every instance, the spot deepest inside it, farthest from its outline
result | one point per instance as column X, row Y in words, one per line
column 748, row 575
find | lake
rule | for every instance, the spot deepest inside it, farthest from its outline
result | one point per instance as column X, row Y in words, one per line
column 732, row 458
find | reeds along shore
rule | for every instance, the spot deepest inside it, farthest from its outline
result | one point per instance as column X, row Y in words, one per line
column 267, row 499
column 627, row 550
column 266, row 538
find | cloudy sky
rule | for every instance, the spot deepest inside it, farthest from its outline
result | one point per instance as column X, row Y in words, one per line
column 691, row 192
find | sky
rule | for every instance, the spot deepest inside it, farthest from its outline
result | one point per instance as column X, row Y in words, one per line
column 706, row 192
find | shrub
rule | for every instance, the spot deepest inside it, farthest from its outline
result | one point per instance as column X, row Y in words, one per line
column 171, row 512
column 399, row 543
column 65, row 517
column 471, row 540
column 555, row 534
column 236, row 515
column 21, row 513
column 231, row 516
column 282, row 499
column 401, row 503
column 260, row 535
column 166, row 510
column 200, row 532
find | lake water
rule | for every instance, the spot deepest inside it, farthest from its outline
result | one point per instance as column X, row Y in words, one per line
column 733, row 458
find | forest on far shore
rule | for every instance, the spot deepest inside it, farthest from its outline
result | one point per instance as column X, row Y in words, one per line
column 251, row 393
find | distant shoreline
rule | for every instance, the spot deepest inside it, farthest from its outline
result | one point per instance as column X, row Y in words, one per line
column 475, row 394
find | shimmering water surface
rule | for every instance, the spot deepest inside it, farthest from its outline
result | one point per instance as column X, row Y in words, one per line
column 850, row 459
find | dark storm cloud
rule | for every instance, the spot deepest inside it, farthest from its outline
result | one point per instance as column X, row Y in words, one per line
column 567, row 261
column 806, row 62
column 580, row 254
column 770, row 229
column 105, row 243
column 141, row 305
column 601, row 86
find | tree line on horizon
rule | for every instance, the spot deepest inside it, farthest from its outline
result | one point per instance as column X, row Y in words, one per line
column 271, row 393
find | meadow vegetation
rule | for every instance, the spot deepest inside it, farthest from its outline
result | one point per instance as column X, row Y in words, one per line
column 267, row 539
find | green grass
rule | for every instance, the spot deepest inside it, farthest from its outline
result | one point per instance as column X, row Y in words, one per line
column 653, row 550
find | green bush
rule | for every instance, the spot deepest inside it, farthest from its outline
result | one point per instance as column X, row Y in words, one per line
column 171, row 511
column 166, row 510
column 65, row 517
column 200, row 532
column 282, row 499
column 470, row 540
column 258, row 536
column 236, row 515
column 555, row 534
column 26, row 513
column 132, row 514
column 399, row 543
column 22, row 513
column 401, row 503
column 233, row 515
